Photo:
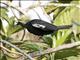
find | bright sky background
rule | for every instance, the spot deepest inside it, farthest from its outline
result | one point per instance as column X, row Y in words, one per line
column 32, row 13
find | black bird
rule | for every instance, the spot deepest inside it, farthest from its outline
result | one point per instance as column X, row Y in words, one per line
column 40, row 27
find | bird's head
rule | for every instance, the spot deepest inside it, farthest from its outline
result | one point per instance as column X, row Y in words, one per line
column 19, row 23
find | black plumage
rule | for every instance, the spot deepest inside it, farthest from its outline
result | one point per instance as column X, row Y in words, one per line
column 40, row 27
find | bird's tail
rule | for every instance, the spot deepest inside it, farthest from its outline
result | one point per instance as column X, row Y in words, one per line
column 64, row 27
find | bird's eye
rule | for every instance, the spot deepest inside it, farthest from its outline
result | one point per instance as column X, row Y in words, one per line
column 38, row 26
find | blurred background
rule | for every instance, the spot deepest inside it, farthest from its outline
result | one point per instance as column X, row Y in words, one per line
column 57, row 12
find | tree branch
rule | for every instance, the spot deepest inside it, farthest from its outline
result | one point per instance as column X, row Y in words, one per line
column 52, row 50
column 17, row 8
column 25, row 54
column 61, row 5
column 1, row 46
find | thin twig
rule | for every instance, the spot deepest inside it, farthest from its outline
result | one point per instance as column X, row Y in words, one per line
column 37, row 13
column 11, row 55
column 52, row 50
column 9, row 50
column 14, row 14
column 49, row 12
column 25, row 54
column 17, row 8
column 23, row 35
column 61, row 5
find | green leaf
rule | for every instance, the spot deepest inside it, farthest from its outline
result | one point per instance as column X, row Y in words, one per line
column 65, row 17
column 3, row 11
column 67, row 53
column 4, row 27
column 31, row 46
column 48, row 40
column 64, row 1
column 63, row 38
column 2, row 56
column 0, row 24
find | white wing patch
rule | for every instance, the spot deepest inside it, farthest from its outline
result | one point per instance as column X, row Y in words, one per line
column 38, row 26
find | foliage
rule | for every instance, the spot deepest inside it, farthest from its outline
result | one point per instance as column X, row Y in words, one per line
column 62, row 16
